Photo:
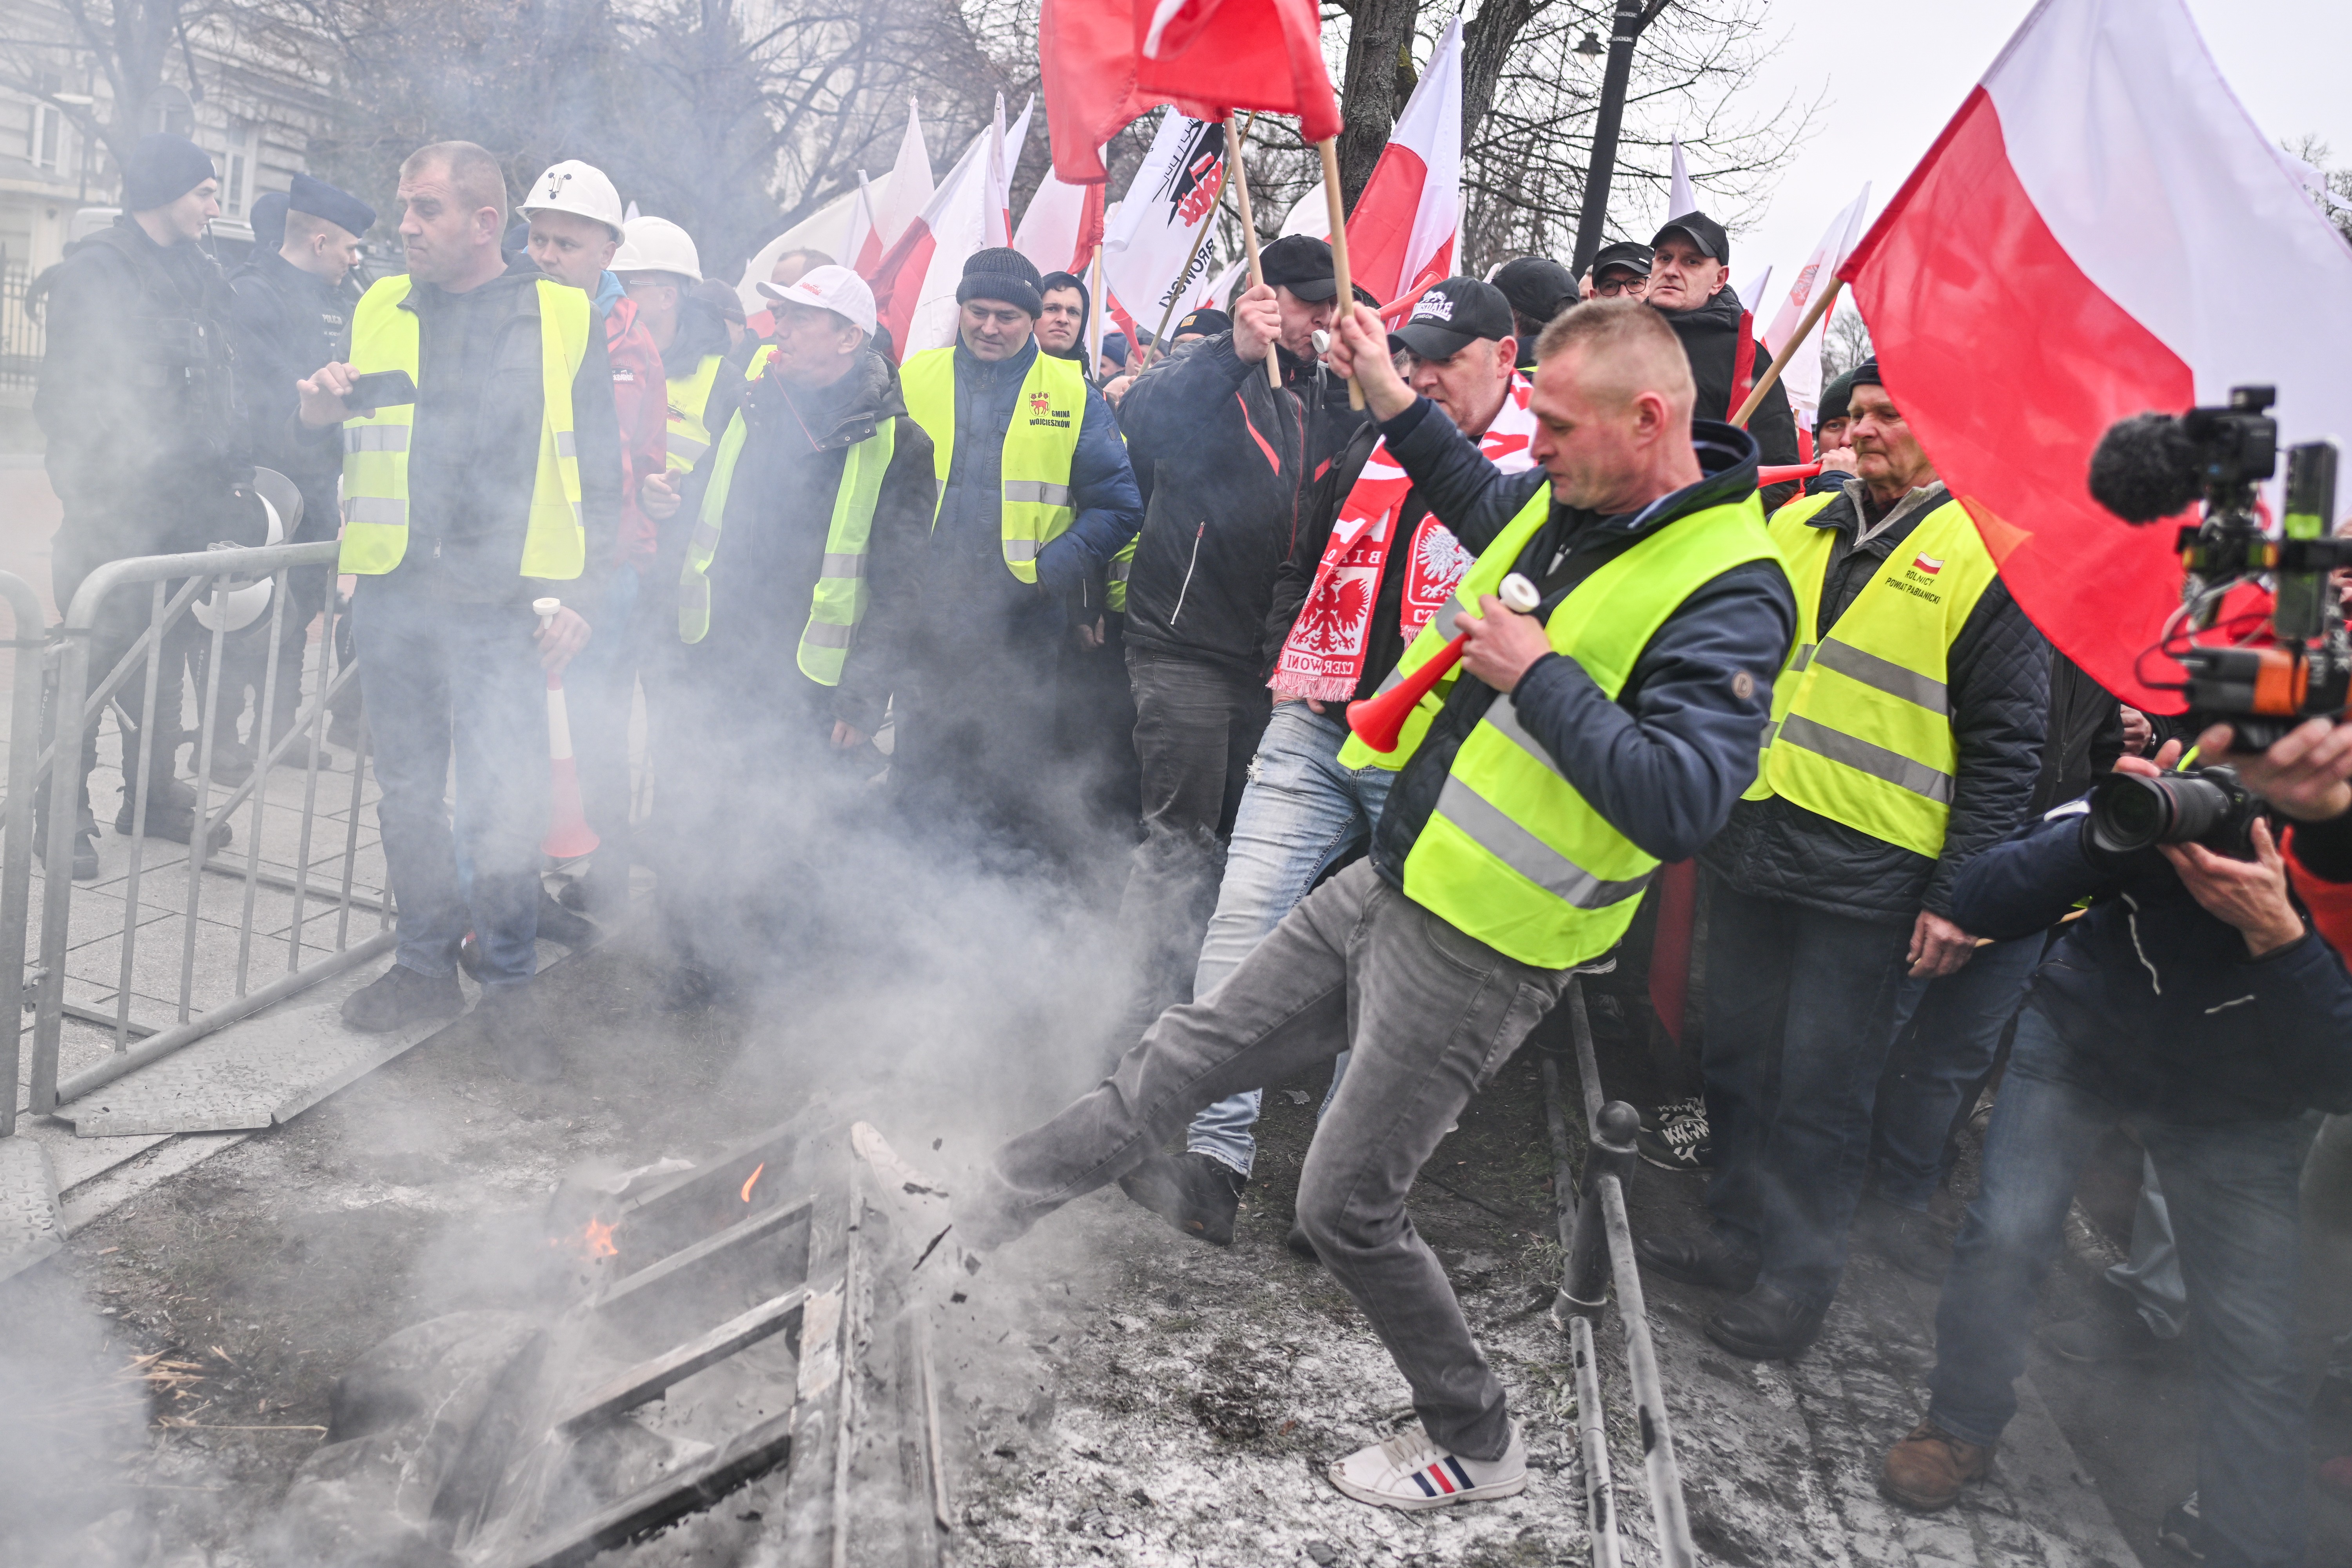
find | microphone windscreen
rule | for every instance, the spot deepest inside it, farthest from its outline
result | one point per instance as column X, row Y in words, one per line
column 2145, row 467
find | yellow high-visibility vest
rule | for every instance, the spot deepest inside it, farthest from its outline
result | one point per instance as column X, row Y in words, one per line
column 690, row 397
column 376, row 446
column 1512, row 853
column 1041, row 442
column 839, row 600
column 1862, row 723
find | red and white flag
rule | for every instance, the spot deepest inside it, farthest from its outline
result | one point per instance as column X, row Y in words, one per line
column 1401, row 232
column 914, row 281
column 1800, row 364
column 1173, row 197
column 2072, row 250
column 1061, row 227
column 861, row 242
column 1682, row 197
column 907, row 189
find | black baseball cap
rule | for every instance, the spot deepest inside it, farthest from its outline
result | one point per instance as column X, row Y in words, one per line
column 1204, row 321
column 1700, row 230
column 1302, row 264
column 1537, row 287
column 1626, row 254
column 1452, row 316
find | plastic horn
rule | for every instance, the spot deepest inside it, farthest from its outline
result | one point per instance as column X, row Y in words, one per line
column 1378, row 722
column 569, row 836
column 1781, row 475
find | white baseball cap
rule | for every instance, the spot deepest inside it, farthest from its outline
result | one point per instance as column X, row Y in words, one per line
column 835, row 288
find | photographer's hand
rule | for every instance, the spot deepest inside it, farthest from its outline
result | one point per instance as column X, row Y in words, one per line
column 1938, row 946
column 2304, row 775
column 2248, row 894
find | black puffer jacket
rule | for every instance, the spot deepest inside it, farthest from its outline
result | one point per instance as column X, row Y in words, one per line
column 1710, row 336
column 1998, row 679
column 1227, row 466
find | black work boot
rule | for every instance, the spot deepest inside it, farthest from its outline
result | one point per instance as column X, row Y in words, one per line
column 401, row 997
column 1197, row 1193
column 1301, row 1245
column 563, row 926
column 1699, row 1258
column 171, row 815
column 1768, row 1324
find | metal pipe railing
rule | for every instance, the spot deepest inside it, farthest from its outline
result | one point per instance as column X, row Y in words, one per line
column 1599, row 1241
column 30, row 642
column 175, row 585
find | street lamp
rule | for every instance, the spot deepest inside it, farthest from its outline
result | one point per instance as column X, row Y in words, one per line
column 1632, row 16
column 1591, row 48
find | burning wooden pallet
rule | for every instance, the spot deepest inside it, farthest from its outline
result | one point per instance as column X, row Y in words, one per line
column 741, row 1329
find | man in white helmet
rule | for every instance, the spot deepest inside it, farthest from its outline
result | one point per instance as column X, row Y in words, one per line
column 576, row 233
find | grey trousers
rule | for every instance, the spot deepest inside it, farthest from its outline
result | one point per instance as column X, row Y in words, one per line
column 1431, row 1015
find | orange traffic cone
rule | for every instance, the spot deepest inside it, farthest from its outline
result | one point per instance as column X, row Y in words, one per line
column 568, row 835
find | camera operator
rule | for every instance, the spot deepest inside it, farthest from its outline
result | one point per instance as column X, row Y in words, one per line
column 2193, row 1000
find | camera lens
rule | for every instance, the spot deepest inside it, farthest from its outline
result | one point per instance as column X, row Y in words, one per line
column 2130, row 813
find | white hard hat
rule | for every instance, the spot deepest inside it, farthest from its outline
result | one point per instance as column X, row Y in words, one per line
column 232, row 608
column 657, row 245
column 572, row 186
column 835, row 288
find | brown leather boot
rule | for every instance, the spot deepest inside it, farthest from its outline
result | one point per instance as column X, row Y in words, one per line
column 1928, row 1470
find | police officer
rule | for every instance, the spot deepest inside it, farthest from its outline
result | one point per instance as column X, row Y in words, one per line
column 498, row 484
column 1034, row 498
column 145, row 445
column 293, row 313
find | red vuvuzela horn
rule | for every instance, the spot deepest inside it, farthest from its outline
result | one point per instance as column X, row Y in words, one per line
column 1781, row 475
column 1379, row 721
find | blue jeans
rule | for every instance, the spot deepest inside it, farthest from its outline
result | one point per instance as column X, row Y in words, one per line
column 1300, row 812
column 1960, row 1018
column 2232, row 1191
column 440, row 678
column 1800, row 1005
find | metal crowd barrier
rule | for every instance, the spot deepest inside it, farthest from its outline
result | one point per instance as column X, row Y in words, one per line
column 1599, row 1241
column 175, row 585
column 30, row 639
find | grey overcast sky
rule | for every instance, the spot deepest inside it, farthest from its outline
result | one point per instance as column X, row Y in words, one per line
column 1892, row 72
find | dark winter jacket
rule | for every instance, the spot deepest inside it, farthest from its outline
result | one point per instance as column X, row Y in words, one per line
column 976, row 611
column 1427, row 432
column 288, row 323
column 474, row 446
column 2086, row 735
column 1710, row 336
column 1999, row 681
column 2165, row 1013
column 771, row 542
column 1227, row 467
column 137, row 397
column 1664, row 761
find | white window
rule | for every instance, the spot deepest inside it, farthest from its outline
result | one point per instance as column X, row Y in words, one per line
column 48, row 137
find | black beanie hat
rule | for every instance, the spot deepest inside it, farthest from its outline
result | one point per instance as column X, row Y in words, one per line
column 1002, row 273
column 1835, row 397
column 162, row 169
column 1864, row 374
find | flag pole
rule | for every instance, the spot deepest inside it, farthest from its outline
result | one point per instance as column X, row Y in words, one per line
column 1819, row 308
column 1249, row 234
column 1345, row 293
column 1233, row 152
column 1095, row 318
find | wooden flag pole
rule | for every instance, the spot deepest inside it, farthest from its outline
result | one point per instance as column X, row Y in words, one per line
column 1344, row 295
column 1249, row 237
column 1095, row 318
column 1819, row 308
column 1232, row 153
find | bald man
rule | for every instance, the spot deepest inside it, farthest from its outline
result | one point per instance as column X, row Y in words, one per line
column 1578, row 748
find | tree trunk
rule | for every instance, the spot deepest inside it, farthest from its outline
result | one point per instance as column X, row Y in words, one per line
column 1487, row 44
column 1379, row 76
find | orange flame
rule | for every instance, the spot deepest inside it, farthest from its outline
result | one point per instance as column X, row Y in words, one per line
column 753, row 1182
column 597, row 1240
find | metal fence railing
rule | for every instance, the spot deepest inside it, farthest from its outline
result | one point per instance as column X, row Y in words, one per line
column 26, row 644
column 1599, row 1240
column 165, row 945
column 21, row 329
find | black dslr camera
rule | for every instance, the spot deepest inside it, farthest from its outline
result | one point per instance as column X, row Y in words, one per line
column 2155, row 466
column 2130, row 812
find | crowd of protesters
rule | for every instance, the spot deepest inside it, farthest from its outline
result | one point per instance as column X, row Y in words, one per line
column 1110, row 616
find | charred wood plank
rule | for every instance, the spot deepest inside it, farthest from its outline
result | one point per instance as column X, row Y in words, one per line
column 689, row 1490
column 746, row 1178
column 638, row 1299
column 647, row 1379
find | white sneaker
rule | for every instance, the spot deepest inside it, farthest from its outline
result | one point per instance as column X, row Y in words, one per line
column 1409, row 1471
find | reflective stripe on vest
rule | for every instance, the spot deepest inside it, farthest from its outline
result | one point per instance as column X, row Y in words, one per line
column 1039, row 444
column 376, row 446
column 838, row 602
column 1122, row 566
column 1513, row 854
column 1486, row 575
column 690, row 397
column 1861, row 728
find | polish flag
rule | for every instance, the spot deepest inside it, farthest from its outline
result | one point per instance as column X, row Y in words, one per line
column 1682, row 197
column 908, row 188
column 1063, row 225
column 915, row 280
column 861, row 242
column 1400, row 233
column 1800, row 364
column 2074, row 250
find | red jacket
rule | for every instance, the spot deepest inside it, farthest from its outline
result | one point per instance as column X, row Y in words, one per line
column 641, row 395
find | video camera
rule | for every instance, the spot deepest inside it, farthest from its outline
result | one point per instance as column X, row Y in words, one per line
column 2295, row 665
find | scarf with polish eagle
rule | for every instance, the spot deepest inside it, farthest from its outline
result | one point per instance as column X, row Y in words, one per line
column 1323, row 657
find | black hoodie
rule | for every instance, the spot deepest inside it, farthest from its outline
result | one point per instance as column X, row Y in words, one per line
column 1666, row 761
column 1710, row 336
